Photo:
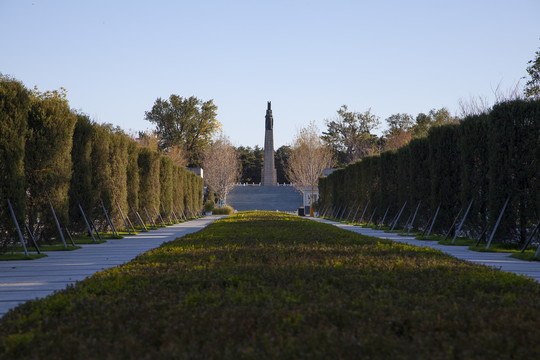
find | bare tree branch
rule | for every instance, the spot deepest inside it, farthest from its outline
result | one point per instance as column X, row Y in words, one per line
column 222, row 168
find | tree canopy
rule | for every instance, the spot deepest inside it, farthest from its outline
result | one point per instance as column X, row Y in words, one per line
column 252, row 163
column 349, row 135
column 398, row 133
column 532, row 87
column 187, row 123
column 434, row 118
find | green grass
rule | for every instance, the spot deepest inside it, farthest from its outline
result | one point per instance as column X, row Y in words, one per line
column 269, row 285
column 45, row 248
column 20, row 256
column 527, row 255
column 495, row 247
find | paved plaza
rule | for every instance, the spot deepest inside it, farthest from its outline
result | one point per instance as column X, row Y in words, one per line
column 270, row 198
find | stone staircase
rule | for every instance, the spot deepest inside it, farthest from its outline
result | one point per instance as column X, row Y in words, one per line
column 271, row 198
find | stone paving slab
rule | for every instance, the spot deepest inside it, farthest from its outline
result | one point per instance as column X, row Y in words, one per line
column 25, row 280
column 501, row 261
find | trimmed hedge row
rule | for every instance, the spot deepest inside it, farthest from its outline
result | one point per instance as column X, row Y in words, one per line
column 51, row 155
column 268, row 285
column 488, row 158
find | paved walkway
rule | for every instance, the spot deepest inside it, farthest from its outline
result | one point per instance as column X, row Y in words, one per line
column 25, row 280
column 501, row 261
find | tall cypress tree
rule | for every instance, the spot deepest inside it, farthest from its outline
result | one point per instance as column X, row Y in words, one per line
column 118, row 158
column 514, row 153
column 101, row 172
column 166, row 183
column 81, row 190
column 48, row 160
column 474, row 170
column 445, row 161
column 133, row 176
column 14, row 102
column 420, row 179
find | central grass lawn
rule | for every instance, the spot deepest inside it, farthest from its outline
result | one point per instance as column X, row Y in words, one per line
column 269, row 285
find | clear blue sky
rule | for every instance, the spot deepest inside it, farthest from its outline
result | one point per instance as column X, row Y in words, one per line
column 307, row 57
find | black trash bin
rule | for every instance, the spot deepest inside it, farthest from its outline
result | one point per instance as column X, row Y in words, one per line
column 301, row 211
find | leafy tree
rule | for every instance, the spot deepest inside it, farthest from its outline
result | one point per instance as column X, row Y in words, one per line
column 349, row 135
column 282, row 161
column 252, row 163
column 188, row 123
column 47, row 159
column 532, row 88
column 433, row 118
column 398, row 133
column 148, row 139
column 14, row 102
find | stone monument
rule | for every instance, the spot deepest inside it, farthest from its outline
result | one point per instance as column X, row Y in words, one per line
column 269, row 177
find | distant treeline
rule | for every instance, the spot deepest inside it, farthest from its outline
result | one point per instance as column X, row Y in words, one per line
column 50, row 152
column 252, row 160
column 486, row 158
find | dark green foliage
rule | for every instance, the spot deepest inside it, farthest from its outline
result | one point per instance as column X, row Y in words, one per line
column 473, row 144
column 252, row 163
column 81, row 189
column 281, row 161
column 445, row 162
column 47, row 160
column 389, row 183
column 486, row 157
column 514, row 166
column 188, row 123
column 532, row 87
column 14, row 102
column 273, row 286
column 420, row 179
column 403, row 177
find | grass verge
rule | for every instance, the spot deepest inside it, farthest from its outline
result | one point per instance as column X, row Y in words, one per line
column 527, row 255
column 20, row 256
column 270, row 285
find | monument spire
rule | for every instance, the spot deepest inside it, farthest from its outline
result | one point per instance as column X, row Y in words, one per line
column 269, row 177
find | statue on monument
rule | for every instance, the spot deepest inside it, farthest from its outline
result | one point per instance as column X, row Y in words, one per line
column 269, row 118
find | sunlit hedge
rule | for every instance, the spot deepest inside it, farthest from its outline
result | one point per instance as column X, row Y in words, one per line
column 49, row 152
